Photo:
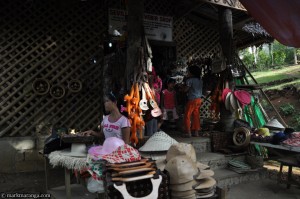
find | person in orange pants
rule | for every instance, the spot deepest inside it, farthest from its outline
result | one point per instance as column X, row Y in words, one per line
column 194, row 88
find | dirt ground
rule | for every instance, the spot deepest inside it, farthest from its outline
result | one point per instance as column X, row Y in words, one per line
column 30, row 182
column 283, row 97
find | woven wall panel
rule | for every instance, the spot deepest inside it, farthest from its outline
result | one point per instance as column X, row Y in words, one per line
column 191, row 38
column 57, row 42
column 194, row 40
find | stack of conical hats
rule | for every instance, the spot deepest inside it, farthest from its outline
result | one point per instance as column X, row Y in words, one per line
column 189, row 179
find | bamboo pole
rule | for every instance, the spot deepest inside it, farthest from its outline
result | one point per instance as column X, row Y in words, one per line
column 264, row 94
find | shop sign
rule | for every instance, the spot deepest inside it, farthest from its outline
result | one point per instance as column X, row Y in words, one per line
column 236, row 4
column 157, row 27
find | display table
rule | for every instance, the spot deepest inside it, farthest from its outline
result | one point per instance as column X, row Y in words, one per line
column 65, row 192
column 274, row 146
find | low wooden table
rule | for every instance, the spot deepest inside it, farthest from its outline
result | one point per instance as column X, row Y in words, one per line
column 274, row 146
column 290, row 162
column 65, row 192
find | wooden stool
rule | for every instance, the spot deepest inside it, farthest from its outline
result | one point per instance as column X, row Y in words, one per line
column 290, row 162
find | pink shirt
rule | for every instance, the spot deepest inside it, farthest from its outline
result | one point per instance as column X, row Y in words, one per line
column 157, row 85
column 114, row 129
column 169, row 99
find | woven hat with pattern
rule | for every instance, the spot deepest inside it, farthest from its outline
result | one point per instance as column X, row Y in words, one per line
column 181, row 169
column 159, row 141
column 124, row 153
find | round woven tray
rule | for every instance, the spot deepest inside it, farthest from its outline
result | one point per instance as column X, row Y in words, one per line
column 78, row 139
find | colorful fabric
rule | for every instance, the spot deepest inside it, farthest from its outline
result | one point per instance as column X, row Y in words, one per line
column 294, row 140
column 192, row 109
column 94, row 167
column 124, row 153
column 157, row 85
column 195, row 88
column 169, row 99
column 114, row 129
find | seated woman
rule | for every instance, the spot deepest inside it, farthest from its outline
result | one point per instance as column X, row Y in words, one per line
column 114, row 124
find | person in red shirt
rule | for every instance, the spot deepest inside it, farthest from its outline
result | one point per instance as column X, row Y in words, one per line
column 169, row 102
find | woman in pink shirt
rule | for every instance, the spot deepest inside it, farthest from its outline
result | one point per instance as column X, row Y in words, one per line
column 115, row 124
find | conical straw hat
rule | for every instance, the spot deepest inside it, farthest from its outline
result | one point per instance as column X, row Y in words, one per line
column 159, row 141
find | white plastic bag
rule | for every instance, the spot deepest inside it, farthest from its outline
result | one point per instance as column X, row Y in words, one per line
column 94, row 186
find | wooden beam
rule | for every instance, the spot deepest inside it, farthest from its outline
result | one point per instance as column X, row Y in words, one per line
column 181, row 12
column 239, row 25
column 201, row 21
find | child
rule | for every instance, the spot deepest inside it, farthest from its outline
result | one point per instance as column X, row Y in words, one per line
column 168, row 101
column 194, row 88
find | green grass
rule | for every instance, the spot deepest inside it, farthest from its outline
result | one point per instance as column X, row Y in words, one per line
column 270, row 78
column 271, row 75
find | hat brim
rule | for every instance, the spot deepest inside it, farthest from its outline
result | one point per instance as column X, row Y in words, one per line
column 227, row 101
column 159, row 141
column 192, row 196
column 97, row 150
column 184, row 186
column 161, row 164
column 233, row 103
column 202, row 166
column 243, row 96
column 224, row 94
column 206, row 183
column 204, row 174
column 154, row 155
column 205, row 196
column 72, row 154
column 275, row 124
column 187, row 193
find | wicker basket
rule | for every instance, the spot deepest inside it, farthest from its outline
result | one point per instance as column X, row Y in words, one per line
column 220, row 140
column 255, row 161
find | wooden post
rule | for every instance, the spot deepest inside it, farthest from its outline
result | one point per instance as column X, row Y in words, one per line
column 226, row 42
column 226, row 33
column 134, row 27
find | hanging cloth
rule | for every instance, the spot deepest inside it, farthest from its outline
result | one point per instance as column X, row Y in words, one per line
column 280, row 18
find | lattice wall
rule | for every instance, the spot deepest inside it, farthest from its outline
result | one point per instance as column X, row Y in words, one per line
column 191, row 39
column 57, row 41
column 194, row 40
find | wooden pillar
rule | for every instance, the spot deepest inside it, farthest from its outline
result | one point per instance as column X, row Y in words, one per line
column 134, row 27
column 226, row 33
column 226, row 41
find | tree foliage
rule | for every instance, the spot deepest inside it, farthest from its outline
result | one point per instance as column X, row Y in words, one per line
column 282, row 55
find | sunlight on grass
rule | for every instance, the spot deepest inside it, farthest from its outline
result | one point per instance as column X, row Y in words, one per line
column 295, row 83
column 277, row 74
column 284, row 70
column 271, row 78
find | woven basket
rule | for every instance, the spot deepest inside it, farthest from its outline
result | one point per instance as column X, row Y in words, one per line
column 220, row 140
column 255, row 161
